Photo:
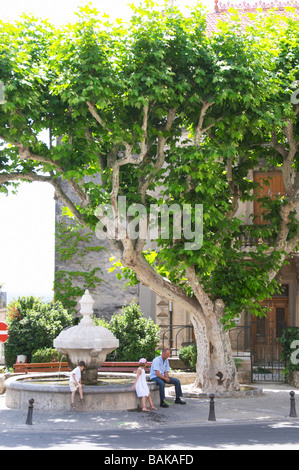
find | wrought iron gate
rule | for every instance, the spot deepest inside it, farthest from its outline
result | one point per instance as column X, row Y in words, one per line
column 267, row 365
column 173, row 337
column 260, row 342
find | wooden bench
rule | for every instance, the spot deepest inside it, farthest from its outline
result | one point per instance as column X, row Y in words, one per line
column 123, row 367
column 26, row 368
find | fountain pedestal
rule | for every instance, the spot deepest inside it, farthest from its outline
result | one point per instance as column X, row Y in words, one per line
column 86, row 342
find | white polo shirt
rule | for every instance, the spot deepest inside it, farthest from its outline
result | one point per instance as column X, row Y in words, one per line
column 159, row 365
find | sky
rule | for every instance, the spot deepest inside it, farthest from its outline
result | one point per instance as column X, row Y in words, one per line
column 27, row 220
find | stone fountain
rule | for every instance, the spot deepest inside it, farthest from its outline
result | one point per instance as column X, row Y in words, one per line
column 86, row 342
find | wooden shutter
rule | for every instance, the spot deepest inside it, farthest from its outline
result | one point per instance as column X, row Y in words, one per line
column 275, row 186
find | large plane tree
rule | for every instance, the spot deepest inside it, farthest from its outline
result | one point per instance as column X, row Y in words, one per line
column 157, row 113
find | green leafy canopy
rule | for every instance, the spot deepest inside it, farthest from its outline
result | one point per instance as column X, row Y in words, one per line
column 162, row 112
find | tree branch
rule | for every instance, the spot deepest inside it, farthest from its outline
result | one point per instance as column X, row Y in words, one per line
column 234, row 189
column 202, row 297
column 26, row 154
column 278, row 147
column 31, row 176
column 143, row 146
column 68, row 202
column 160, row 160
column 144, row 183
column 96, row 115
column 154, row 281
column 199, row 131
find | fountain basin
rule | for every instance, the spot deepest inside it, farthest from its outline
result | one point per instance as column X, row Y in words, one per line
column 56, row 397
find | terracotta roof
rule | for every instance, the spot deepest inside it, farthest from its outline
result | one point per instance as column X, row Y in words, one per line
column 244, row 7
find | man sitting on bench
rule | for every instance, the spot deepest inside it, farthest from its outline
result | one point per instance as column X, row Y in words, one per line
column 159, row 374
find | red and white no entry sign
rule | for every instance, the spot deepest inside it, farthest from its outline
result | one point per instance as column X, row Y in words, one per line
column 3, row 332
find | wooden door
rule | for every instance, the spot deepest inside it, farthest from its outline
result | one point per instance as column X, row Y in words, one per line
column 267, row 331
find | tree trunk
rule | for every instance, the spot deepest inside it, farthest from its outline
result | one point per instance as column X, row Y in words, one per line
column 216, row 369
column 214, row 348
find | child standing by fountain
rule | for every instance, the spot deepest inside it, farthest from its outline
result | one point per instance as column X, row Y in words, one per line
column 75, row 382
column 141, row 387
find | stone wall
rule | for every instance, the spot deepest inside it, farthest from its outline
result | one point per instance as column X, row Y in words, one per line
column 3, row 299
column 3, row 314
column 109, row 294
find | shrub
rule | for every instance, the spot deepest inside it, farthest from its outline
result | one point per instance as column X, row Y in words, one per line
column 47, row 355
column 138, row 336
column 188, row 354
column 33, row 325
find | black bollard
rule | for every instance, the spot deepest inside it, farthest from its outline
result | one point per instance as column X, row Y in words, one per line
column 30, row 412
column 293, row 413
column 212, row 416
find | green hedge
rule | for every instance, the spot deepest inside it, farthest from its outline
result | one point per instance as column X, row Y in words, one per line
column 33, row 325
column 47, row 355
column 188, row 354
column 138, row 336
